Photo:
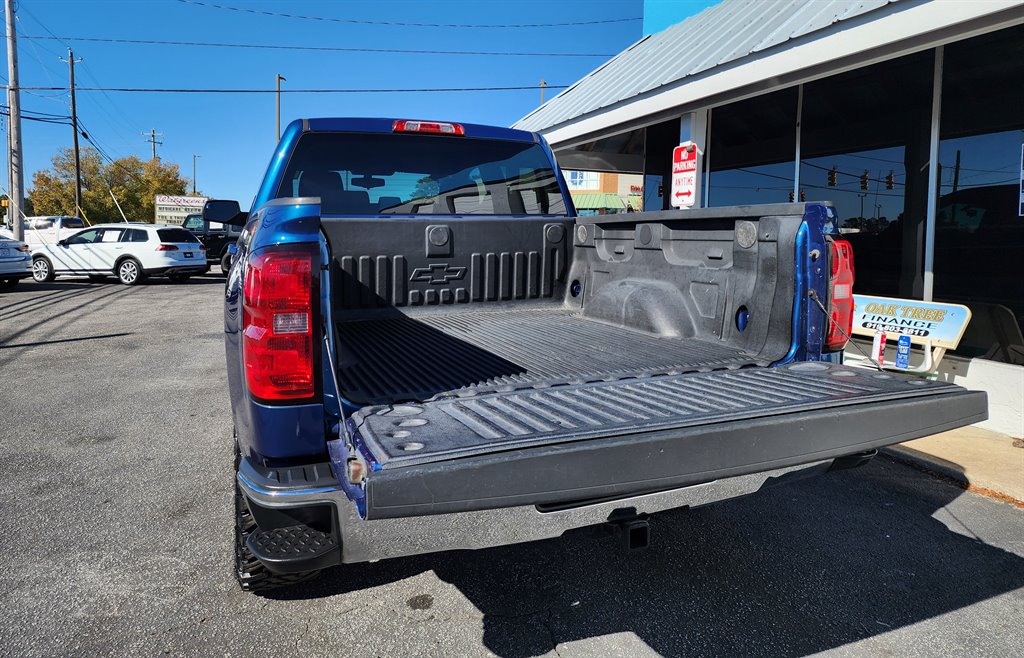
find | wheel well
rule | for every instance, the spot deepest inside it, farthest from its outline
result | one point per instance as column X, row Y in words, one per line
column 122, row 259
column 42, row 257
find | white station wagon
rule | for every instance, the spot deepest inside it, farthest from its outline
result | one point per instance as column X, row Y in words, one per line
column 129, row 251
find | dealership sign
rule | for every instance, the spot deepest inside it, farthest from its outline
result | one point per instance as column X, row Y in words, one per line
column 940, row 324
column 684, row 175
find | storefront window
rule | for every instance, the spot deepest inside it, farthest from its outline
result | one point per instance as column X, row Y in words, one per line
column 862, row 132
column 753, row 144
column 979, row 237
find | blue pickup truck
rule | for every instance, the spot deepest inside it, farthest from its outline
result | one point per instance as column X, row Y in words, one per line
column 427, row 350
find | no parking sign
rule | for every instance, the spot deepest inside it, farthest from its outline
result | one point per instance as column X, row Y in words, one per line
column 684, row 175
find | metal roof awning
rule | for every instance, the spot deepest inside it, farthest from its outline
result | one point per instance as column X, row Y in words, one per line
column 597, row 201
column 740, row 48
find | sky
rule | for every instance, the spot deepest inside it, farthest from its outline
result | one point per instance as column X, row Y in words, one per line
column 234, row 134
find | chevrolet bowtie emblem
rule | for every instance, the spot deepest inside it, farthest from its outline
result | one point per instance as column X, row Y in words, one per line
column 437, row 274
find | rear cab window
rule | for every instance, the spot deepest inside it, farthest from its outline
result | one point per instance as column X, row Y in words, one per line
column 401, row 173
column 175, row 235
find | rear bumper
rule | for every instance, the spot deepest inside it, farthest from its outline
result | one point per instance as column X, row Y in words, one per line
column 16, row 269
column 202, row 267
column 363, row 540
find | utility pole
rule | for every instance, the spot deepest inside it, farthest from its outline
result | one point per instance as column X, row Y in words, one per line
column 278, row 80
column 14, row 126
column 542, row 85
column 956, row 172
column 74, row 130
column 194, row 157
column 152, row 139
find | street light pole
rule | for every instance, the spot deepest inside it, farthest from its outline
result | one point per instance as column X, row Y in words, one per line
column 194, row 156
column 278, row 79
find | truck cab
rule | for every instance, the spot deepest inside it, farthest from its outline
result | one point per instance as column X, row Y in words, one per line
column 48, row 229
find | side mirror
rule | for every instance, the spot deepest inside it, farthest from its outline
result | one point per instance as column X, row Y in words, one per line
column 62, row 243
column 224, row 212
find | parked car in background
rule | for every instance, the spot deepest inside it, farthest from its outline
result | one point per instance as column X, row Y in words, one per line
column 129, row 251
column 15, row 263
column 215, row 237
column 47, row 229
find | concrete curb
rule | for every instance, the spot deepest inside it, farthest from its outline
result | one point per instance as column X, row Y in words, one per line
column 938, row 467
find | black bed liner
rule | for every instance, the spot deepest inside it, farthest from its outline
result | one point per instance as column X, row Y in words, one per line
column 402, row 358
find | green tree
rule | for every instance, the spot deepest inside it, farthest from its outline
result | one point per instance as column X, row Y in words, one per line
column 133, row 181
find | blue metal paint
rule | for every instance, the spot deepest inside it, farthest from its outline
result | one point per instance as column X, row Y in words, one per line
column 742, row 319
column 379, row 125
column 808, row 321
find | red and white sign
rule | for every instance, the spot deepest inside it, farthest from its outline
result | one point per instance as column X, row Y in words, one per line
column 684, row 175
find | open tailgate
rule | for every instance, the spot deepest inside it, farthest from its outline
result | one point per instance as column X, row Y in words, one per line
column 603, row 440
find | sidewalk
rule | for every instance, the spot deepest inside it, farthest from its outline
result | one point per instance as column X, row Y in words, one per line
column 982, row 460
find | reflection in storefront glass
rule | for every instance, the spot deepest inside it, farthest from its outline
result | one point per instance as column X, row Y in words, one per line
column 867, row 189
column 979, row 230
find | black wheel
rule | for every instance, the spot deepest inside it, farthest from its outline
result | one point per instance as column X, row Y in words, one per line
column 178, row 278
column 129, row 272
column 42, row 270
column 7, row 284
column 252, row 576
column 225, row 263
column 97, row 277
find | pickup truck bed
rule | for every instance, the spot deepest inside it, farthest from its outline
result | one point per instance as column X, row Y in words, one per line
column 401, row 358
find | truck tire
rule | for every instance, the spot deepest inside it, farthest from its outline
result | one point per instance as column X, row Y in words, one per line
column 252, row 576
column 225, row 263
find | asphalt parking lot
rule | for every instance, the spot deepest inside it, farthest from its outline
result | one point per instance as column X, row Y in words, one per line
column 115, row 491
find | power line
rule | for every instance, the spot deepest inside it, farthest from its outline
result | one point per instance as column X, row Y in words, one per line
column 335, row 49
column 294, row 91
column 7, row 113
column 86, row 70
column 353, row 21
column 43, row 114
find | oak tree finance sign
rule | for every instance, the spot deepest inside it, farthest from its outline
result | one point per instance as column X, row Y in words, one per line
column 684, row 175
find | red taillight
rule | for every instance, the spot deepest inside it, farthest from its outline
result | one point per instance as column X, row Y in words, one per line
column 277, row 321
column 840, row 297
column 22, row 247
column 166, row 247
column 406, row 126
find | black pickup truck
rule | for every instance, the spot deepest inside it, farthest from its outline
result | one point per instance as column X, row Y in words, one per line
column 427, row 350
column 216, row 237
